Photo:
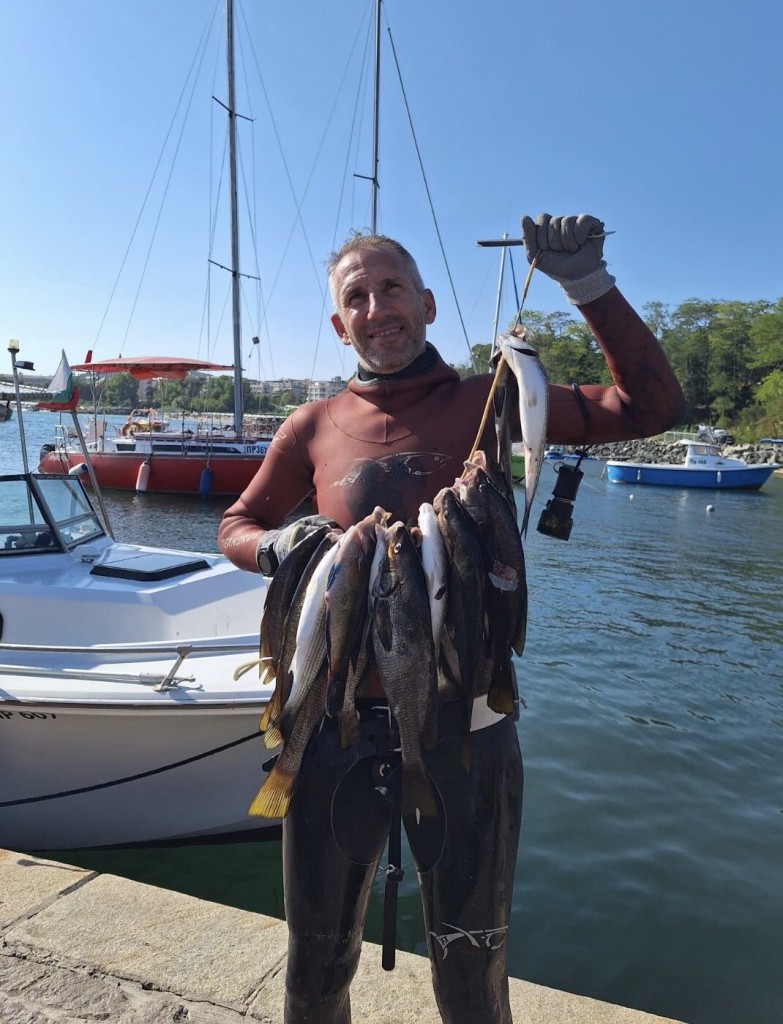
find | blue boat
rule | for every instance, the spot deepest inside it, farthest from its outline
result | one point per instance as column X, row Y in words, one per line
column 704, row 466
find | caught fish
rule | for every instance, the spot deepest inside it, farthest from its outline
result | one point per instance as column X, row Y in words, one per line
column 284, row 657
column 297, row 724
column 405, row 658
column 346, row 604
column 505, row 586
column 436, row 570
column 279, row 595
column 310, row 650
column 502, row 402
column 533, row 389
column 465, row 626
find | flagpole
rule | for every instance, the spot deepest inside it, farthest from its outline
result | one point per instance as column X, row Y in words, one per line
column 13, row 348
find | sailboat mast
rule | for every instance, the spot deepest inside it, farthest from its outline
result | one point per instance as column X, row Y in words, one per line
column 376, row 111
column 232, row 169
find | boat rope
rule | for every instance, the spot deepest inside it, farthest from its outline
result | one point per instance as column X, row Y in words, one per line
column 130, row 778
column 429, row 200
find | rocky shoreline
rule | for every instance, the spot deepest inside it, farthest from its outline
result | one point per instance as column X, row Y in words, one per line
column 654, row 449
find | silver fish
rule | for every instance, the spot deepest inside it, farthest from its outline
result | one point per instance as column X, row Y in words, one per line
column 533, row 408
column 436, row 570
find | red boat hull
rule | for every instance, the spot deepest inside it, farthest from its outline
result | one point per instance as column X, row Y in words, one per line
column 166, row 474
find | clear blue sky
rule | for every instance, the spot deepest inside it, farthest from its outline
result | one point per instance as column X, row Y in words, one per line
column 660, row 116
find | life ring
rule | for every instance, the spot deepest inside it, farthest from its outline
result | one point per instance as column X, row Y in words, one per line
column 130, row 428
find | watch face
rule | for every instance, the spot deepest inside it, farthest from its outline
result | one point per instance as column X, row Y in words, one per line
column 265, row 563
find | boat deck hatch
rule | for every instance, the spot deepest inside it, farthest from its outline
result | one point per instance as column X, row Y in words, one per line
column 149, row 567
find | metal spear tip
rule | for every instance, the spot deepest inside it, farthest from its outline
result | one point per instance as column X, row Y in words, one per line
column 498, row 242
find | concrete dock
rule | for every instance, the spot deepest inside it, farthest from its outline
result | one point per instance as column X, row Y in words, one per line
column 80, row 947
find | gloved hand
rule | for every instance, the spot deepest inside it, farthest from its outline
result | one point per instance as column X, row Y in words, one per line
column 275, row 544
column 570, row 251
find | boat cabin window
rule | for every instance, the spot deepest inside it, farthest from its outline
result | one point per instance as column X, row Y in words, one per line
column 702, row 449
column 24, row 526
column 71, row 508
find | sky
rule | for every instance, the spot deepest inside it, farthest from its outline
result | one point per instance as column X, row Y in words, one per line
column 661, row 117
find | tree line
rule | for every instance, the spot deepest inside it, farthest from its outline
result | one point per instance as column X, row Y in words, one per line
column 198, row 393
column 727, row 355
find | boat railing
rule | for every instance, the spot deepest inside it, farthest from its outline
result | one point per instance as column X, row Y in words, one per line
column 158, row 681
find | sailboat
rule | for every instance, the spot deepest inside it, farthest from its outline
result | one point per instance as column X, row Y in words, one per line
column 194, row 461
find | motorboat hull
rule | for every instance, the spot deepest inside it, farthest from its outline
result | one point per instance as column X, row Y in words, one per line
column 130, row 694
column 78, row 776
column 749, row 478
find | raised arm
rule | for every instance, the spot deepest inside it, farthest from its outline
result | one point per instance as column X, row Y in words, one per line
column 645, row 397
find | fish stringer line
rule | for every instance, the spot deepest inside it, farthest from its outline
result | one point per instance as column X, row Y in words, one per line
column 499, row 368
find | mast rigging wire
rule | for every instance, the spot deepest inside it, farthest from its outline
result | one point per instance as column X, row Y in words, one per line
column 429, row 200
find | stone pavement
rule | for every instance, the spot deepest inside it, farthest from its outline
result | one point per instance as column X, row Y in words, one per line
column 82, row 948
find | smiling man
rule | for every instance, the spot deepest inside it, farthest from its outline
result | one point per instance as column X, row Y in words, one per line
column 383, row 306
column 396, row 436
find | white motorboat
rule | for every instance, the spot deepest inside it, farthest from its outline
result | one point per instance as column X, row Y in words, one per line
column 124, row 717
column 120, row 718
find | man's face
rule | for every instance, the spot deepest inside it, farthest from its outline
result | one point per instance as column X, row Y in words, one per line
column 380, row 311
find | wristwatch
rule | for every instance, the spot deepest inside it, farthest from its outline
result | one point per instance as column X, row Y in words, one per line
column 267, row 559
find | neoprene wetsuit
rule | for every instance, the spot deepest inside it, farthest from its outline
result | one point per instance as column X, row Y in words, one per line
column 396, row 441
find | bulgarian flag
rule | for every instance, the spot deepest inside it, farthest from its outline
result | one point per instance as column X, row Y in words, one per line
column 64, row 394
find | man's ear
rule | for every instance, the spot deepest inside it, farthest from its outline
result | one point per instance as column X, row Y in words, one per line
column 429, row 306
column 339, row 327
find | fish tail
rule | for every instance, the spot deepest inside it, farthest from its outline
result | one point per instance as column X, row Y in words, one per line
column 501, row 695
column 418, row 795
column 525, row 518
column 263, row 723
column 272, row 736
column 274, row 797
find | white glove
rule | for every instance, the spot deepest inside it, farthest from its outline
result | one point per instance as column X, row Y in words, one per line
column 570, row 251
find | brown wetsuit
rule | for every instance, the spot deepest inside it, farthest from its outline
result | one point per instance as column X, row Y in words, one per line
column 395, row 442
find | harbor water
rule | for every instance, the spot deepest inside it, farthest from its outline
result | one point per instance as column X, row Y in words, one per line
column 650, row 870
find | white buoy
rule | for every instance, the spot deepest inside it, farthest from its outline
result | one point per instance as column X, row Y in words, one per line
column 710, row 508
column 630, row 497
column 143, row 477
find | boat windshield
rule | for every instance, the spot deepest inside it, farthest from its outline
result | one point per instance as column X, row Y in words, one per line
column 44, row 514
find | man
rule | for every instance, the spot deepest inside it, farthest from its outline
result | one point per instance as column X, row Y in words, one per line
column 394, row 438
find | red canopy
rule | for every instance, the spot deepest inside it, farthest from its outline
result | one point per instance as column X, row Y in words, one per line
column 149, row 367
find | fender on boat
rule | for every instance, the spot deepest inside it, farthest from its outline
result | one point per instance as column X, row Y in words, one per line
column 143, row 477
column 205, row 481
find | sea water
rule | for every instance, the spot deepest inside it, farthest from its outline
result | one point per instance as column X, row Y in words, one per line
column 650, row 871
